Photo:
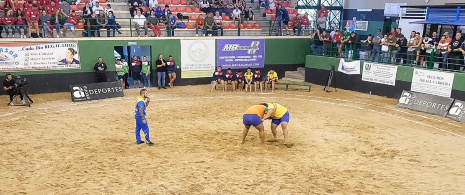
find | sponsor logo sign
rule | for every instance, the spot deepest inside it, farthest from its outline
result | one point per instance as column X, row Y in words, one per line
column 198, row 58
column 457, row 111
column 349, row 67
column 34, row 56
column 241, row 53
column 379, row 73
column 96, row 91
column 425, row 103
column 432, row 82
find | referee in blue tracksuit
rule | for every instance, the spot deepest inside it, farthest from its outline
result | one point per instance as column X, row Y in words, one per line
column 141, row 120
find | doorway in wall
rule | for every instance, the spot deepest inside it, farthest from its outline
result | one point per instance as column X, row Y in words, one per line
column 387, row 25
column 129, row 53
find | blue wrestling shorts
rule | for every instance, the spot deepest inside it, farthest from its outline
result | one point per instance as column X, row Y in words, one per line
column 251, row 120
column 285, row 118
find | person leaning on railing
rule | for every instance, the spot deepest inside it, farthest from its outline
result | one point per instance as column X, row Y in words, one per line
column 376, row 52
column 368, row 47
column 317, row 42
column 443, row 47
column 456, row 52
column 401, row 46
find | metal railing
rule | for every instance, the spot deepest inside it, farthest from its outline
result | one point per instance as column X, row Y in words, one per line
column 421, row 57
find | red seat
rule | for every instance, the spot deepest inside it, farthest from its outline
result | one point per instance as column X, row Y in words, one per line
column 225, row 26
column 183, row 2
column 241, row 26
column 174, row 2
column 102, row 1
column 256, row 26
column 248, row 26
column 188, row 10
column 273, row 11
column 289, row 5
column 196, row 10
column 178, row 9
column 273, row 18
column 190, row 25
column 296, row 11
column 80, row 25
column 167, row 2
column 232, row 26
column 74, row 7
column 193, row 17
column 145, row 9
column 226, row 18
column 267, row 11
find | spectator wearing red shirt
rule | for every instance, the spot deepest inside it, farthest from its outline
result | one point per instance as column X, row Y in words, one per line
column 52, row 7
column 28, row 7
column 199, row 24
column 337, row 38
column 296, row 24
column 152, row 22
column 9, row 23
column 71, row 21
column 17, row 5
column 21, row 22
column 33, row 19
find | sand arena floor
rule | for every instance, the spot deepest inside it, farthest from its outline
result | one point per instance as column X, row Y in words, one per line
column 344, row 143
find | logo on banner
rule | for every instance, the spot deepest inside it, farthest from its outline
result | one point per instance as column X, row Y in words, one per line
column 96, row 91
column 457, row 111
column 405, row 98
column 367, row 66
column 251, row 49
column 425, row 103
column 78, row 92
column 198, row 51
column 349, row 67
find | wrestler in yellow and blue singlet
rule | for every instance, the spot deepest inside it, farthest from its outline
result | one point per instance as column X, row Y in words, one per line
column 280, row 114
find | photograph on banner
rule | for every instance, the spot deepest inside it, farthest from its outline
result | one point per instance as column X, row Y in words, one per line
column 241, row 53
column 427, row 103
column 432, row 82
column 198, row 58
column 379, row 73
column 457, row 111
column 33, row 56
column 349, row 67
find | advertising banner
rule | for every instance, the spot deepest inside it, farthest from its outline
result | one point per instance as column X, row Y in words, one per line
column 432, row 82
column 379, row 73
column 198, row 58
column 457, row 111
column 241, row 53
column 425, row 103
column 96, row 91
column 349, row 67
column 34, row 56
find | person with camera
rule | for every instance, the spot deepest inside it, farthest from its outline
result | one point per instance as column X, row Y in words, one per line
column 11, row 88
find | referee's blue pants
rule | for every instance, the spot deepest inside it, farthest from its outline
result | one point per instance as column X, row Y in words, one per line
column 144, row 128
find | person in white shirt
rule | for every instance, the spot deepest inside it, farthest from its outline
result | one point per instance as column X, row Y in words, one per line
column 237, row 15
column 97, row 8
column 384, row 49
column 140, row 22
column 108, row 9
column 153, row 4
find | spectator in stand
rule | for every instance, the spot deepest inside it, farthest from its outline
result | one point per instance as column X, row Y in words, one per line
column 58, row 20
column 20, row 23
column 136, row 68
column 159, row 13
column 171, row 69
column 97, row 8
column 93, row 25
column 166, row 13
column 279, row 20
column 108, row 9
column 199, row 24
column 337, row 38
column 455, row 52
column 133, row 6
column 399, row 33
column 71, row 20
column 152, row 23
column 44, row 21
column 443, row 47
column 32, row 18
column 412, row 44
column 52, row 8
column 216, row 6
column 392, row 41
column 345, row 42
column 153, row 4
column 296, row 24
column 394, row 32
column 236, row 15
column 249, row 15
column 171, row 25
column 218, row 20
column 217, row 79
column 385, row 47
column 368, row 48
column 305, row 23
column 401, row 46
column 161, row 71
column 86, row 12
column 111, row 23
column 140, row 22
column 9, row 23
column 228, row 10
column 353, row 44
column 425, row 50
column 376, row 53
column 65, row 7
column 326, row 42
column 205, row 6
column 102, row 21
column 317, row 42
column 209, row 22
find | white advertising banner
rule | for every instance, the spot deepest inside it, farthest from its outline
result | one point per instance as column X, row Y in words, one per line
column 379, row 73
column 349, row 67
column 33, row 56
column 198, row 58
column 432, row 82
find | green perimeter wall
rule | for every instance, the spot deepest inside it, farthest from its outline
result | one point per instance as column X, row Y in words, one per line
column 277, row 51
column 404, row 73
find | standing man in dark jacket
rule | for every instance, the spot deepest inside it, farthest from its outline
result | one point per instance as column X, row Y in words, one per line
column 401, row 45
column 161, row 71
column 100, row 67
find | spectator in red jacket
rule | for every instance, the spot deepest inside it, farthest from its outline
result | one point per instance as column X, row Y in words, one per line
column 52, row 7
column 17, row 5
column 21, row 23
column 28, row 7
column 33, row 19
column 9, row 23
column 71, row 21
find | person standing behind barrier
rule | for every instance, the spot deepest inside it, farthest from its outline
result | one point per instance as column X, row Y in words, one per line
column 455, row 53
column 376, row 53
column 171, row 69
column 136, row 70
column 254, row 117
column 100, row 67
column 279, row 20
column 145, row 72
column 279, row 115
column 141, row 118
column 161, row 71
column 126, row 72
column 120, row 72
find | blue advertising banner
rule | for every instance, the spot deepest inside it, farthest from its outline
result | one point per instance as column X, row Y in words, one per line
column 241, row 53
